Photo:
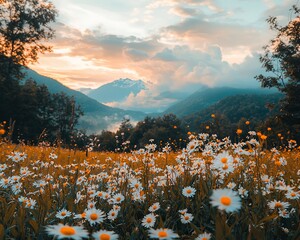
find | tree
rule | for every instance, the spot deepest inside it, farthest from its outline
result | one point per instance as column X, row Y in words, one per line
column 24, row 27
column 281, row 61
column 65, row 115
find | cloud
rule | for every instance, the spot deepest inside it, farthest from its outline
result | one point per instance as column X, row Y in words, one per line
column 199, row 32
column 146, row 101
column 200, row 46
column 92, row 58
column 183, row 11
column 162, row 3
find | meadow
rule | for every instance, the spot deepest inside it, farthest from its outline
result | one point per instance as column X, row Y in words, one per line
column 211, row 189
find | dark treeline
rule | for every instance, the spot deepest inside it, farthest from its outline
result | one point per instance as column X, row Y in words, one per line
column 162, row 131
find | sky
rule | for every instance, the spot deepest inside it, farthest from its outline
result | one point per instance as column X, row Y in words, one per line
column 177, row 45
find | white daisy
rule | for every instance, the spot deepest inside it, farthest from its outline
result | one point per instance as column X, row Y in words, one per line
column 105, row 235
column 64, row 231
column 162, row 233
column 186, row 218
column 226, row 199
column 63, row 214
column 94, row 216
column 188, row 192
column 118, row 198
column 112, row 214
column 203, row 236
column 149, row 220
column 278, row 205
column 154, row 207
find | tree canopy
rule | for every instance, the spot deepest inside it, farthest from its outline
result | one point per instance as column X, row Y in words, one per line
column 281, row 60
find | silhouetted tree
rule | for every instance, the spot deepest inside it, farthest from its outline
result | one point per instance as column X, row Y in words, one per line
column 24, row 26
column 282, row 61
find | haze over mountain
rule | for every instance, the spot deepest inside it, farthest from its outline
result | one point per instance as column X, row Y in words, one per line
column 85, row 91
column 97, row 116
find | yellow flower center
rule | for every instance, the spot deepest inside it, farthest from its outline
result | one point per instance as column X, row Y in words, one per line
column 293, row 194
column 63, row 214
column 67, row 231
column 162, row 234
column 278, row 205
column 104, row 236
column 186, row 217
column 118, row 199
column 225, row 200
column 225, row 167
column 94, row 216
column 149, row 220
column 154, row 207
column 204, row 238
column 277, row 163
column 113, row 214
column 224, row 160
column 189, row 191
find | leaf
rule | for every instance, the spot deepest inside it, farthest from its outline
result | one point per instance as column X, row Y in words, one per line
column 34, row 226
column 196, row 229
column 1, row 231
column 267, row 219
column 9, row 213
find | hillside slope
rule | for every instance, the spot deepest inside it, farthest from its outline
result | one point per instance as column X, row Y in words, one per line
column 208, row 96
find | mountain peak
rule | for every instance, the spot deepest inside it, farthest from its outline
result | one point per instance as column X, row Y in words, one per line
column 128, row 83
column 117, row 90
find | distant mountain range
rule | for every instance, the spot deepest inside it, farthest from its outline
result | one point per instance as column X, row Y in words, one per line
column 225, row 100
column 97, row 116
column 208, row 96
column 116, row 91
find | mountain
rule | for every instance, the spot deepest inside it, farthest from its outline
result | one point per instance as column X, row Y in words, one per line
column 229, row 111
column 205, row 97
column 97, row 116
column 118, row 90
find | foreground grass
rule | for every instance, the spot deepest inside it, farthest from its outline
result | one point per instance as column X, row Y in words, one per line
column 132, row 194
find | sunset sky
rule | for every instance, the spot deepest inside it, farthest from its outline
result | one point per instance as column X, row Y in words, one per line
column 175, row 44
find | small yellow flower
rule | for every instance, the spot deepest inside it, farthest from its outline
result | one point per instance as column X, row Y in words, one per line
column 239, row 131
column 258, row 134
column 247, row 122
column 213, row 115
column 263, row 137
